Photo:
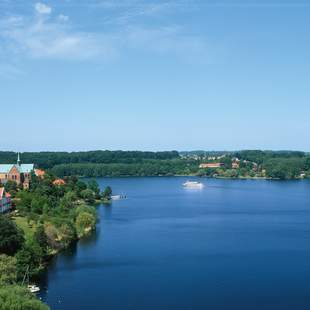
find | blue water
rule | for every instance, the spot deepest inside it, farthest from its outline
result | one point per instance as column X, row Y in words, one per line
column 233, row 245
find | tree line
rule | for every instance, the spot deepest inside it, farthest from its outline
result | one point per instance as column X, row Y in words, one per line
column 144, row 168
column 49, row 159
column 253, row 163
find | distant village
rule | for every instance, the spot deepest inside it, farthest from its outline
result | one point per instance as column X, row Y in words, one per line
column 228, row 165
column 213, row 162
column 216, row 163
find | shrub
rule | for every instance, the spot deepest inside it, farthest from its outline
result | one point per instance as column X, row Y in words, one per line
column 11, row 237
column 8, row 271
column 17, row 298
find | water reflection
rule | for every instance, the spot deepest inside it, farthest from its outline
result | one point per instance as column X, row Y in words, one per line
column 90, row 239
column 106, row 211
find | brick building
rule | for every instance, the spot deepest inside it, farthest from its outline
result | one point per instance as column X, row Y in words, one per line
column 20, row 173
column 211, row 165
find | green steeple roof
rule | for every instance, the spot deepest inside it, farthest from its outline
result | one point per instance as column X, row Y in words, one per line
column 22, row 168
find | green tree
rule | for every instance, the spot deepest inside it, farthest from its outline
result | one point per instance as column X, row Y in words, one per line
column 226, row 161
column 24, row 201
column 52, row 236
column 41, row 238
column 93, row 185
column 88, row 195
column 85, row 222
column 11, row 237
column 67, row 234
column 79, row 187
column 30, row 256
column 307, row 163
column 284, row 168
column 19, row 298
column 37, row 203
column 11, row 187
column 8, row 271
column 107, row 193
column 67, row 201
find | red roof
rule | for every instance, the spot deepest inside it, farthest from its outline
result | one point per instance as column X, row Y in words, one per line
column 39, row 172
column 59, row 182
column 211, row 165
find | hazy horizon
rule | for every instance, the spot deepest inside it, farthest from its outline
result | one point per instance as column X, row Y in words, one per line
column 152, row 150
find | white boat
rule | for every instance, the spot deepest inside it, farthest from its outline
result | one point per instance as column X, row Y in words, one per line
column 193, row 184
column 33, row 288
column 118, row 197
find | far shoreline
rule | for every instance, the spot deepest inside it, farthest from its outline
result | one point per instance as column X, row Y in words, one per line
column 194, row 176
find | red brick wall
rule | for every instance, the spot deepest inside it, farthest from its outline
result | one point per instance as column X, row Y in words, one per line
column 14, row 175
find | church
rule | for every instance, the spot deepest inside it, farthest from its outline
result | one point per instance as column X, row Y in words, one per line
column 20, row 173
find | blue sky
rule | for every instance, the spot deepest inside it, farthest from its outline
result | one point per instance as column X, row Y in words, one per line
column 154, row 75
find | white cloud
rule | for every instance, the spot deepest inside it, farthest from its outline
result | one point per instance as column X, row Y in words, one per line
column 54, row 38
column 63, row 18
column 47, row 39
column 42, row 8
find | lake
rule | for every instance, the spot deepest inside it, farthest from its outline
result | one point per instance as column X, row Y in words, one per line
column 235, row 244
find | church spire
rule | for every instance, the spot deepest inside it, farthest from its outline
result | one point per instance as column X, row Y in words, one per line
column 18, row 159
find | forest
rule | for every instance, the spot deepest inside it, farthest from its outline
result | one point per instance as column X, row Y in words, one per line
column 47, row 160
column 251, row 163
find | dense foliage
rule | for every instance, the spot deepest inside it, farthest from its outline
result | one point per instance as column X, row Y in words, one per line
column 16, row 297
column 252, row 163
column 49, row 218
column 8, row 269
column 11, row 237
column 145, row 168
column 54, row 214
column 50, row 159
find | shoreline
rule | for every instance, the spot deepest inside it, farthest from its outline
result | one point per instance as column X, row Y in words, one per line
column 198, row 176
